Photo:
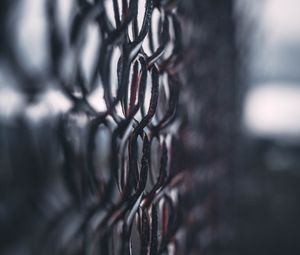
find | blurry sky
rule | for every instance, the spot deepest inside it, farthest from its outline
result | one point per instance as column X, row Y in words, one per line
column 277, row 46
column 272, row 106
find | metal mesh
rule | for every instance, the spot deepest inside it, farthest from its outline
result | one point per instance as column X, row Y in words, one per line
column 104, row 153
column 117, row 161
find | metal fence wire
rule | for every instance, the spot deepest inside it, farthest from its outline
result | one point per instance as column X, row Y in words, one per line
column 134, row 159
column 117, row 161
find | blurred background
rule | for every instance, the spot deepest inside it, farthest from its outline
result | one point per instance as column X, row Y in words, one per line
column 267, row 186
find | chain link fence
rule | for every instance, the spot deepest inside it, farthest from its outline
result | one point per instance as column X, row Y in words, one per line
column 114, row 130
column 104, row 174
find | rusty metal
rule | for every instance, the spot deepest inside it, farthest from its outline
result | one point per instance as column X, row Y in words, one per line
column 131, row 189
